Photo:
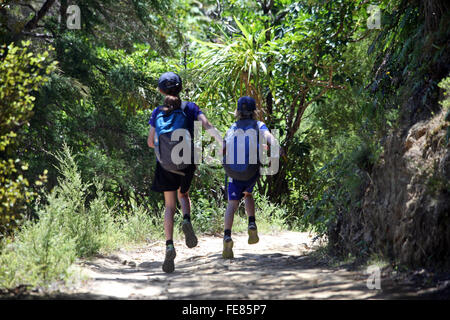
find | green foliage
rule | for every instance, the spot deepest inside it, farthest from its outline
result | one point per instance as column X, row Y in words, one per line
column 66, row 228
column 271, row 217
column 21, row 75
column 207, row 217
column 332, row 87
column 99, row 110
column 74, row 222
column 140, row 226
column 287, row 61
column 409, row 52
column 445, row 85
column 356, row 120
column 238, row 60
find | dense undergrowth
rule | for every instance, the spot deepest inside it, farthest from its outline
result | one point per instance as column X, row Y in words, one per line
column 75, row 221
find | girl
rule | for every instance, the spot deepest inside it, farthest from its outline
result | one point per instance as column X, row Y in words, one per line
column 175, row 183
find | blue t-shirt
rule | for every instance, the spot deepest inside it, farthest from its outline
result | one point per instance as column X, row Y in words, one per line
column 192, row 111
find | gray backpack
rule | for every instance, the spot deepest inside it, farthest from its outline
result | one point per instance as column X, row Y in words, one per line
column 165, row 126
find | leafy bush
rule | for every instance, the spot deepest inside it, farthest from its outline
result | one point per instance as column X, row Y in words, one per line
column 208, row 217
column 445, row 85
column 140, row 226
column 21, row 74
column 67, row 227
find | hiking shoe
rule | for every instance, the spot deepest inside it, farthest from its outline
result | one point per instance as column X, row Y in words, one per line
column 191, row 239
column 168, row 264
column 252, row 233
column 227, row 252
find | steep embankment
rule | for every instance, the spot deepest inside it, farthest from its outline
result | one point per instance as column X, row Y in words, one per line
column 403, row 210
column 406, row 206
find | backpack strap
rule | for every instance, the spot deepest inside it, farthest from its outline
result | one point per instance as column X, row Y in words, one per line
column 257, row 126
column 260, row 124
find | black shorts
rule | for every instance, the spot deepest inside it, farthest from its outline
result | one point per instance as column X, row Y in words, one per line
column 168, row 181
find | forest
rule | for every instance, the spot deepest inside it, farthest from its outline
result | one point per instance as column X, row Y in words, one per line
column 358, row 91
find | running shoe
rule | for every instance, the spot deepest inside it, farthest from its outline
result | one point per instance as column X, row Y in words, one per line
column 227, row 248
column 189, row 234
column 252, row 233
column 168, row 264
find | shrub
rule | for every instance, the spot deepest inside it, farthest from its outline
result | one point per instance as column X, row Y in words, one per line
column 67, row 227
column 140, row 226
column 21, row 73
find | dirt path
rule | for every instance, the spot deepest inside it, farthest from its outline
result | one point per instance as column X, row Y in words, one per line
column 278, row 267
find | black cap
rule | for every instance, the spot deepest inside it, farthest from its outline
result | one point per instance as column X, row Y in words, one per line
column 246, row 104
column 170, row 83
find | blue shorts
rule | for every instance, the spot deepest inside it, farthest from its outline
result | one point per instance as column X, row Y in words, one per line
column 236, row 188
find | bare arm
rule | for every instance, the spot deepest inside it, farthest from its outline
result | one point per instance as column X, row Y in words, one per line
column 270, row 138
column 213, row 132
column 151, row 137
column 273, row 142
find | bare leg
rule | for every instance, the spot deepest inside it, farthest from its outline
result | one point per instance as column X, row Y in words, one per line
column 185, row 202
column 250, row 209
column 227, row 252
column 249, row 204
column 170, row 198
column 188, row 230
column 229, row 213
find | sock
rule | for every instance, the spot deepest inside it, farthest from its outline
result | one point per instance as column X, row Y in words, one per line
column 251, row 219
column 169, row 242
column 227, row 232
column 187, row 217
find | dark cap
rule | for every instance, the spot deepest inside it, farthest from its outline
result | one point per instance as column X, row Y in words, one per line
column 246, row 104
column 170, row 83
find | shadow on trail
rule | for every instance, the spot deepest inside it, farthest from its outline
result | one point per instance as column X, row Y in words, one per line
column 280, row 268
column 274, row 276
column 263, row 276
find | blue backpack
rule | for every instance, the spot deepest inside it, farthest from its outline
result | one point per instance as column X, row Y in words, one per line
column 165, row 126
column 242, row 162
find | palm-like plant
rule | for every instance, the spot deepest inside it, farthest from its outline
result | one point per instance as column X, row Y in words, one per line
column 236, row 64
column 285, row 73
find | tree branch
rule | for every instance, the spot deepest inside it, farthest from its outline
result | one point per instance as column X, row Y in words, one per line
column 63, row 14
column 39, row 15
column 326, row 85
column 29, row 6
column 280, row 16
column 38, row 35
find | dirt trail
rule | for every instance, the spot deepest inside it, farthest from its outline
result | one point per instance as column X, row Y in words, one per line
column 278, row 267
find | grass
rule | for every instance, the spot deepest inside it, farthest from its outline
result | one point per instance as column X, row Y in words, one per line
column 208, row 218
column 269, row 217
column 69, row 227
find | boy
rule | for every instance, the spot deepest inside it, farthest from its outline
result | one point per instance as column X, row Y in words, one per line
column 243, row 175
